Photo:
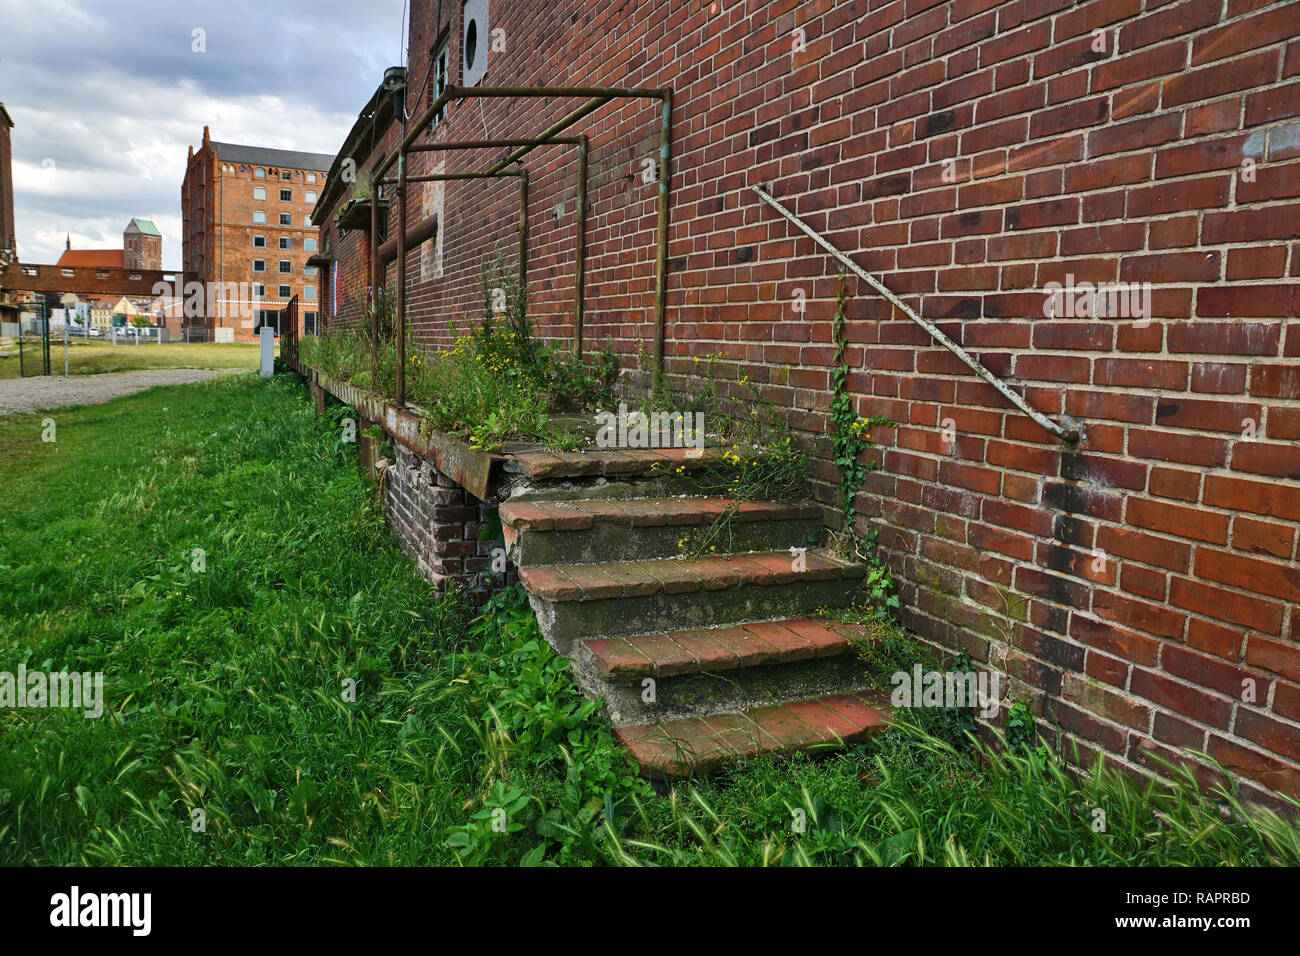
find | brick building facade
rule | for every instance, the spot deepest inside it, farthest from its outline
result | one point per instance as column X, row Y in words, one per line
column 247, row 233
column 1143, row 585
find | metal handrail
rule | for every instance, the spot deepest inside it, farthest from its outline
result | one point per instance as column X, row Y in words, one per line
column 1060, row 431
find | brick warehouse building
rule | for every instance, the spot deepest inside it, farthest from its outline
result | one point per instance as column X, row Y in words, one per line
column 247, row 233
column 1141, row 584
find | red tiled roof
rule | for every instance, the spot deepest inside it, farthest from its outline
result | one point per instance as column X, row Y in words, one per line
column 93, row 258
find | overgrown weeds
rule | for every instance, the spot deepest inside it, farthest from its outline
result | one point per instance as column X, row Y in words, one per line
column 494, row 383
column 319, row 703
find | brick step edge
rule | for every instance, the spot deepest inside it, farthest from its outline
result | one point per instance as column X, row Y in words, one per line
column 713, row 650
column 621, row 462
column 632, row 579
column 700, row 745
column 584, row 514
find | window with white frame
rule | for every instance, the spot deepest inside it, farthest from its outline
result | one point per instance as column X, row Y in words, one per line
column 441, row 63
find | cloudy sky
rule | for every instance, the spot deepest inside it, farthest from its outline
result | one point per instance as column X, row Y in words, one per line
column 106, row 95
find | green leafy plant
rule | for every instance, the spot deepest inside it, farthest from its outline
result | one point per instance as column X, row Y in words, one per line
column 222, row 693
column 1021, row 728
column 850, row 433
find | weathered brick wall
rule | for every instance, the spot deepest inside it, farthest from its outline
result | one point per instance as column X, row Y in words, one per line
column 438, row 523
column 85, row 281
column 969, row 153
column 350, row 249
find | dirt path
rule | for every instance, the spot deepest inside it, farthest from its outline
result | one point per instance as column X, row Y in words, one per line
column 56, row 391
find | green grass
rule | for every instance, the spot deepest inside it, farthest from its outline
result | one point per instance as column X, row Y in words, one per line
column 225, row 692
column 96, row 356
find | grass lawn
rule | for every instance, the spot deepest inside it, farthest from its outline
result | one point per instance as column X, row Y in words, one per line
column 98, row 355
column 226, row 692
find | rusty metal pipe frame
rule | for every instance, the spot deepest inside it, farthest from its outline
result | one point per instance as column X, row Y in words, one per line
column 439, row 177
column 417, row 235
column 559, row 126
column 488, row 143
column 580, row 258
column 599, row 96
column 374, row 276
column 401, row 280
column 1060, row 431
column 579, row 291
column 453, row 92
column 661, row 240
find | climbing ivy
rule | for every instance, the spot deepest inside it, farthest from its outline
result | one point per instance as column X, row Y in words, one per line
column 850, row 439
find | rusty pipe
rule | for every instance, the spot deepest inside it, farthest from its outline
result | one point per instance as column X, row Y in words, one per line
column 417, row 235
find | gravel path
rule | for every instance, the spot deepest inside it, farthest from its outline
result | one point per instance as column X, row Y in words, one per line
column 55, row 391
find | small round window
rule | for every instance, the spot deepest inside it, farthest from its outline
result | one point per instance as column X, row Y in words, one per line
column 471, row 44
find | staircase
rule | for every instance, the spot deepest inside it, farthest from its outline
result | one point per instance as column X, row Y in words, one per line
column 699, row 661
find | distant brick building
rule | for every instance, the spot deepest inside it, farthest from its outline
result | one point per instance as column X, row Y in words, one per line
column 141, row 251
column 142, row 245
column 247, row 233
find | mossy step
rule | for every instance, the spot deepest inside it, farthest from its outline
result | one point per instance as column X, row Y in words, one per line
column 614, row 599
column 719, row 649
column 620, row 462
column 585, row 531
column 635, row 579
column 701, row 745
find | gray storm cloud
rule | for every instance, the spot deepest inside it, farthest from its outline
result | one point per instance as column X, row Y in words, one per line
column 106, row 95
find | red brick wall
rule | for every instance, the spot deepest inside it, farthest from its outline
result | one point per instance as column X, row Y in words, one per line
column 85, row 281
column 1150, row 570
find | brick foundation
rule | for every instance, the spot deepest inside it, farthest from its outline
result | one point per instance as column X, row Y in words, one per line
column 438, row 523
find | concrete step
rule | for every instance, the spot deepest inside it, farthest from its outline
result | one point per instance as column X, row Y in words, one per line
column 614, row 462
column 651, row 678
column 575, row 602
column 699, row 745
column 587, row 531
